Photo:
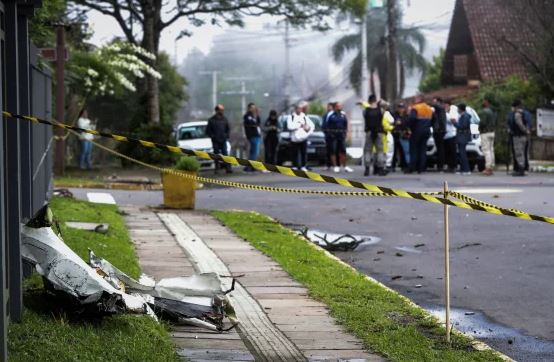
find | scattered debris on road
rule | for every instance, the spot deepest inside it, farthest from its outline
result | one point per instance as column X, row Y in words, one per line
column 396, row 277
column 467, row 245
column 336, row 242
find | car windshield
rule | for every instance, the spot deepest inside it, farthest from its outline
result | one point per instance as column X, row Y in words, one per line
column 192, row 132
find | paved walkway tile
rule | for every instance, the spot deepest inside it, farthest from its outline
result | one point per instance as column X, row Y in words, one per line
column 279, row 321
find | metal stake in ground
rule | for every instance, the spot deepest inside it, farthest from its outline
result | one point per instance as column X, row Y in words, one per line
column 446, row 266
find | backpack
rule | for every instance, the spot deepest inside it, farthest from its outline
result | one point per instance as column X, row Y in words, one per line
column 373, row 119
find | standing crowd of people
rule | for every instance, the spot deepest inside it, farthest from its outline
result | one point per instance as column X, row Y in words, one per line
column 405, row 130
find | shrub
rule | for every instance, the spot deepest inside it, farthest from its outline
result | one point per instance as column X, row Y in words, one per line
column 502, row 94
column 187, row 163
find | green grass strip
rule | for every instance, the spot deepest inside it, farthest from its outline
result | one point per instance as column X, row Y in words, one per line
column 385, row 321
column 49, row 333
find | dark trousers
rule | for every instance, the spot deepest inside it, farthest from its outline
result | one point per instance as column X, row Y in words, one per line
column 328, row 150
column 270, row 148
column 398, row 158
column 220, row 148
column 464, row 161
column 439, row 143
column 450, row 156
column 526, row 166
column 418, row 151
column 299, row 154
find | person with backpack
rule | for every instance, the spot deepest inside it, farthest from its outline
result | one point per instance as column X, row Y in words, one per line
column 300, row 127
column 487, row 128
column 439, row 131
column 421, row 115
column 519, row 133
column 374, row 148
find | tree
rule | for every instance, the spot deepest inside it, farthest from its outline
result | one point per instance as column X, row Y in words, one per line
column 153, row 16
column 410, row 44
column 108, row 69
column 432, row 80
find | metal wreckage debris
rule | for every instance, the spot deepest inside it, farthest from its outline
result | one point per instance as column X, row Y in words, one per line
column 99, row 287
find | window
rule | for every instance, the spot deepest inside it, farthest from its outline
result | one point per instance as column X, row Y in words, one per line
column 460, row 66
column 192, row 132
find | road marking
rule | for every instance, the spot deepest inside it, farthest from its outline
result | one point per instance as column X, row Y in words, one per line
column 101, row 198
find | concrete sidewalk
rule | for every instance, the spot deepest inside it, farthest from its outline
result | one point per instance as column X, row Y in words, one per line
column 278, row 320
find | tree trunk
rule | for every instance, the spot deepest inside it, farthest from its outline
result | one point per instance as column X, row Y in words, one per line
column 150, row 42
column 402, row 75
column 392, row 56
column 372, row 80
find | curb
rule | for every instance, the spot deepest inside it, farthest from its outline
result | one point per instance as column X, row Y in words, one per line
column 476, row 344
column 111, row 186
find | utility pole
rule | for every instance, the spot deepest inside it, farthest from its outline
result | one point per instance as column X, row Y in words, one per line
column 286, row 86
column 213, row 73
column 392, row 54
column 364, row 89
column 242, row 93
column 59, row 156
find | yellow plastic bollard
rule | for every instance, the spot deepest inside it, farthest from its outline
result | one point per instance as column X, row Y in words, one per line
column 179, row 192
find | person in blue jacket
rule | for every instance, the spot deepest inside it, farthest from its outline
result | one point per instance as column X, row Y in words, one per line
column 337, row 127
column 463, row 137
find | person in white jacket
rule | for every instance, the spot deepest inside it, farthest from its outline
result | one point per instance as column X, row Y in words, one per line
column 85, row 138
column 300, row 127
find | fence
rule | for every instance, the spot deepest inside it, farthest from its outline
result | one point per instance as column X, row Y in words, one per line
column 25, row 164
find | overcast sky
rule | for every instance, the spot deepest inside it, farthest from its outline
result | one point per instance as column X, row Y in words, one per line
column 435, row 14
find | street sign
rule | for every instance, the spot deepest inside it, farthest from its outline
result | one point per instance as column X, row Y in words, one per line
column 51, row 55
column 545, row 122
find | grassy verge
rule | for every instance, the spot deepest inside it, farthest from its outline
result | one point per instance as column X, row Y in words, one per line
column 383, row 320
column 78, row 182
column 50, row 333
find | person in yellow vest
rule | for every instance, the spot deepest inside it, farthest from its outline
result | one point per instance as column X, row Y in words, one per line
column 419, row 122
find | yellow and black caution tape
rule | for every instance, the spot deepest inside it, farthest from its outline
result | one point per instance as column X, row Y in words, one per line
column 471, row 200
column 262, row 166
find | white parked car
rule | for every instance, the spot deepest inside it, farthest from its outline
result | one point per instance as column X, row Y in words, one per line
column 473, row 148
column 192, row 136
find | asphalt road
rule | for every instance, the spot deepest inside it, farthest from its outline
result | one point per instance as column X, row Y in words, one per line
column 500, row 266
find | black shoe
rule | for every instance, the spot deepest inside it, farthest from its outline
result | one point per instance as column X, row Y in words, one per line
column 383, row 172
column 376, row 170
column 228, row 170
column 366, row 171
column 518, row 173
